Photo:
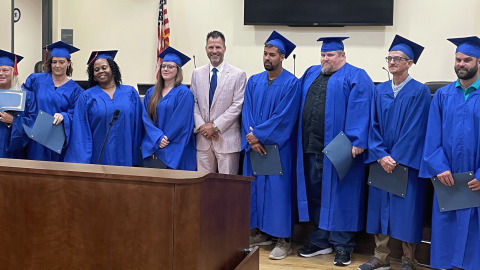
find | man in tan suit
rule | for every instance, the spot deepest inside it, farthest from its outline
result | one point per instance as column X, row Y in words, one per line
column 218, row 88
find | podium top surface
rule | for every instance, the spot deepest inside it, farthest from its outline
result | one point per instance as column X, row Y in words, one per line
column 105, row 172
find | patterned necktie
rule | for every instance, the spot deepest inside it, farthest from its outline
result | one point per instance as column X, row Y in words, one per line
column 213, row 84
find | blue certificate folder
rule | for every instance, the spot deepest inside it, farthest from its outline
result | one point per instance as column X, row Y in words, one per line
column 339, row 152
column 12, row 100
column 395, row 182
column 458, row 196
column 268, row 164
column 46, row 133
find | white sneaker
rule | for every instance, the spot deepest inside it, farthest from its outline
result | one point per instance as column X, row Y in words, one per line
column 281, row 250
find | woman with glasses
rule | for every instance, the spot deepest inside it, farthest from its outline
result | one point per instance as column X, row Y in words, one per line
column 12, row 136
column 168, row 116
column 56, row 94
column 108, row 107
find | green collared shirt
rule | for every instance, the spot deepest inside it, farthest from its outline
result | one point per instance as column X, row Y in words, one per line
column 470, row 89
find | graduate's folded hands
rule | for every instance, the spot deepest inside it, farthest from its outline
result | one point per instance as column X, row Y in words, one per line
column 388, row 164
column 251, row 138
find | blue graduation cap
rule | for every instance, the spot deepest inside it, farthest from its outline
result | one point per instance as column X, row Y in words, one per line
column 283, row 44
column 409, row 48
column 101, row 55
column 467, row 45
column 9, row 59
column 60, row 49
column 332, row 43
column 172, row 55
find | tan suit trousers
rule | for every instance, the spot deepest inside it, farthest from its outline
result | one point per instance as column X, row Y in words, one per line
column 382, row 252
column 207, row 161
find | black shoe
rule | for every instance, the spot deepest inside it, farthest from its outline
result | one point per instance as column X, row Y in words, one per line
column 310, row 250
column 342, row 258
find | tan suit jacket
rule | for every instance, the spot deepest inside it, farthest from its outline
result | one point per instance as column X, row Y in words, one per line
column 226, row 107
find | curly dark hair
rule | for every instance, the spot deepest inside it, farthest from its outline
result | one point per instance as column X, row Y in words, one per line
column 117, row 75
column 47, row 66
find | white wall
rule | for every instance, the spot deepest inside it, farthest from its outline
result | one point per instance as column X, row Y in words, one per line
column 5, row 31
column 130, row 27
column 28, row 36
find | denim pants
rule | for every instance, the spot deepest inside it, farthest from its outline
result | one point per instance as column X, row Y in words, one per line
column 313, row 164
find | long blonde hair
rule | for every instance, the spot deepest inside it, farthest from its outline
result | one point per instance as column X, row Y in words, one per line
column 14, row 84
column 157, row 94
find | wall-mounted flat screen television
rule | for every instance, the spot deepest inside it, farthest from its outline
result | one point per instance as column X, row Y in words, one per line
column 318, row 12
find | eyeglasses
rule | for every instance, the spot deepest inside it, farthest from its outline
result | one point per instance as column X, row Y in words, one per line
column 169, row 67
column 395, row 59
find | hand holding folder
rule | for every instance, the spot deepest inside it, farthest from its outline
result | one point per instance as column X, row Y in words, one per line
column 46, row 133
column 395, row 182
column 339, row 152
column 459, row 195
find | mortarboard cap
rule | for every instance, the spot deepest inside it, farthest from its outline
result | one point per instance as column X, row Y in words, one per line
column 283, row 44
column 172, row 55
column 409, row 48
column 60, row 49
column 101, row 55
column 332, row 43
column 10, row 59
column 467, row 45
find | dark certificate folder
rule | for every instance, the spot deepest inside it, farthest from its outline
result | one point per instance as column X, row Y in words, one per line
column 12, row 100
column 268, row 164
column 339, row 152
column 150, row 162
column 46, row 133
column 395, row 182
column 458, row 196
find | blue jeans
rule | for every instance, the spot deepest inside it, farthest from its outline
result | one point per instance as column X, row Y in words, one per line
column 313, row 164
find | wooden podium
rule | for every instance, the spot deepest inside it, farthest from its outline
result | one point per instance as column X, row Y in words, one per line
column 79, row 216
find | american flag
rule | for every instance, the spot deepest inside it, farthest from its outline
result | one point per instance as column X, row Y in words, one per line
column 163, row 33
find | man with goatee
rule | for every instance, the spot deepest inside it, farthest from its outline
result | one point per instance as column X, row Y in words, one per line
column 269, row 113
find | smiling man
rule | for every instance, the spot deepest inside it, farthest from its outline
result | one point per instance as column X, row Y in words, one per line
column 336, row 97
column 452, row 146
column 397, row 133
column 218, row 88
column 268, row 117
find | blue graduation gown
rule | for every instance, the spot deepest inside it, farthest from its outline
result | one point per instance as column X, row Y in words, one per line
column 50, row 100
column 453, row 143
column 347, row 109
column 93, row 112
column 397, row 129
column 175, row 120
column 14, row 138
column 271, row 111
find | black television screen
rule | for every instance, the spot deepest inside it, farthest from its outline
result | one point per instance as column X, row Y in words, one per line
column 318, row 12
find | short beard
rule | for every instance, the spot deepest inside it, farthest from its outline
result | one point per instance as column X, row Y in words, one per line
column 327, row 70
column 470, row 73
column 269, row 67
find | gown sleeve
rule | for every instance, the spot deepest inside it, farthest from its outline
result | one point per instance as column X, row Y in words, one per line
column 81, row 140
column 152, row 134
column 434, row 160
column 278, row 129
column 358, row 109
column 409, row 146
